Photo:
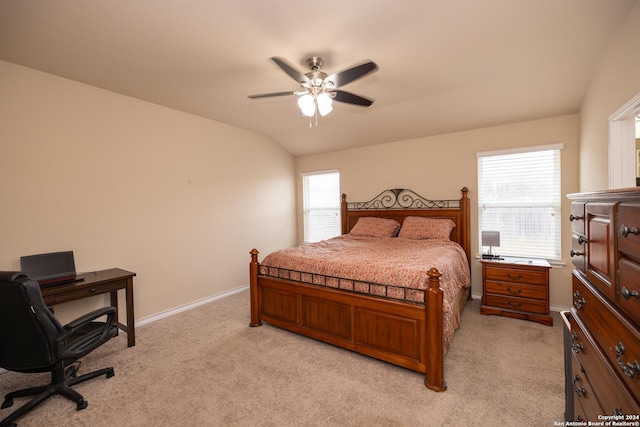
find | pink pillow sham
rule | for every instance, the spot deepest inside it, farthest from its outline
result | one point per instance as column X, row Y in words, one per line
column 375, row 227
column 418, row 228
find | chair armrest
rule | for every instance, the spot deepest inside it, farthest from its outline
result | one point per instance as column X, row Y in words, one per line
column 61, row 346
column 89, row 317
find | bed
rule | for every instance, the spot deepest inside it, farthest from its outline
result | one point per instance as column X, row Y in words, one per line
column 410, row 324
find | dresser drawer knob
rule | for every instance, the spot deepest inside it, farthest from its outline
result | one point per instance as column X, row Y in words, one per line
column 575, row 218
column 92, row 290
column 516, row 292
column 626, row 293
column 514, row 277
column 629, row 369
column 578, row 301
column 582, row 240
column 625, row 231
column 576, row 253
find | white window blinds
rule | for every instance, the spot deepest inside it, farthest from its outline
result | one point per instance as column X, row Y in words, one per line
column 321, row 205
column 519, row 196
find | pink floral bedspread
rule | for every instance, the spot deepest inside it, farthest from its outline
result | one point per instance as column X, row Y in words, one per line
column 389, row 267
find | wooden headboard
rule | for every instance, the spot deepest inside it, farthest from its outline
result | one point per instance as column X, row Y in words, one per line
column 399, row 203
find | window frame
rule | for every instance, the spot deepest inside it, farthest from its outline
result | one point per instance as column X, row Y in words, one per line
column 314, row 235
column 516, row 240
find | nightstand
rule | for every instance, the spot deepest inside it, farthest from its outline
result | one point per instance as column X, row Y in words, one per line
column 516, row 287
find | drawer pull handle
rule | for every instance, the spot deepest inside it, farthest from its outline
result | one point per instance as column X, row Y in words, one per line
column 92, row 290
column 629, row 369
column 514, row 277
column 576, row 253
column 577, row 348
column 625, row 231
column 580, row 391
column 626, row 293
column 582, row 240
column 510, row 304
column 574, row 218
column 574, row 337
column 516, row 292
column 617, row 411
column 578, row 301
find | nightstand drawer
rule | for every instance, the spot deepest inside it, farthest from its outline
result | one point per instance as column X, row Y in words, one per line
column 514, row 275
column 521, row 290
column 520, row 304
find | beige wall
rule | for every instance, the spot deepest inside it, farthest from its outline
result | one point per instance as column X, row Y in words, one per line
column 176, row 198
column 615, row 81
column 438, row 167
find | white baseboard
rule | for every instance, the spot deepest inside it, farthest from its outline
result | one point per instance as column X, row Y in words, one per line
column 189, row 306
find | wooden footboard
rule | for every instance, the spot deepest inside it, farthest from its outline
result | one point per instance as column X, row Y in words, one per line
column 407, row 335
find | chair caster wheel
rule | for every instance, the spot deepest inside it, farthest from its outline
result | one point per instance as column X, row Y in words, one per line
column 82, row 405
column 7, row 403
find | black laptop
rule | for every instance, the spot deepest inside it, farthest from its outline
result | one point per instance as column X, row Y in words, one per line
column 50, row 269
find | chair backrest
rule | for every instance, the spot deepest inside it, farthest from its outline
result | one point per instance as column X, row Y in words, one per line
column 27, row 328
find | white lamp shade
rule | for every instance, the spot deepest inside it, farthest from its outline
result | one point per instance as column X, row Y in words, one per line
column 307, row 105
column 324, row 104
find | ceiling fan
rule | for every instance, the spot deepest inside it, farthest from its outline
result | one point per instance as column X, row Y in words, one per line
column 320, row 89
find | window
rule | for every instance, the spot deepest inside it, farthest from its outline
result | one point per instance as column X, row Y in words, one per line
column 519, row 196
column 321, row 205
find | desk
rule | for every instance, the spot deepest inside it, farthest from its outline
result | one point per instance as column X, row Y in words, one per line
column 96, row 283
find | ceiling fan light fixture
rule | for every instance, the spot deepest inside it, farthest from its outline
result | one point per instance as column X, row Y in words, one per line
column 324, row 104
column 307, row 105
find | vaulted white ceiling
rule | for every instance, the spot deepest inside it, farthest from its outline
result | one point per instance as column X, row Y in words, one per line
column 444, row 65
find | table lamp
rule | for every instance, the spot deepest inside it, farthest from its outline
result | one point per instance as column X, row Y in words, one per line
column 490, row 238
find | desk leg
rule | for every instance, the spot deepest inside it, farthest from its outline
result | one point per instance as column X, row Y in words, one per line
column 131, row 327
column 114, row 303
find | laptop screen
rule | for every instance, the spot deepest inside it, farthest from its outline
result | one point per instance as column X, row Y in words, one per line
column 49, row 268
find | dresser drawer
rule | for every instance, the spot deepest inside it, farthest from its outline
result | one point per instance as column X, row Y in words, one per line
column 619, row 340
column 629, row 297
column 577, row 217
column 513, row 275
column 521, row 290
column 514, row 303
column 628, row 229
column 583, row 394
column 612, row 394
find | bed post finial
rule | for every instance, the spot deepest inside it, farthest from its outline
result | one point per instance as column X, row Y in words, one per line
column 253, row 289
column 433, row 297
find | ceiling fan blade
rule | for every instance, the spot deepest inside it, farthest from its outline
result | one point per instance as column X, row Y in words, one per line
column 350, row 98
column 347, row 76
column 269, row 95
column 292, row 72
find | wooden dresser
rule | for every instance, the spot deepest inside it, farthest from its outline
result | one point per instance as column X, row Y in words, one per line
column 605, row 317
column 516, row 287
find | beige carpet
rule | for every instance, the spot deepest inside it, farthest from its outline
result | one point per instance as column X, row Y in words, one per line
column 207, row 367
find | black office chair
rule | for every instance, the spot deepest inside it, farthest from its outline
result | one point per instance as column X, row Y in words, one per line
column 32, row 340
